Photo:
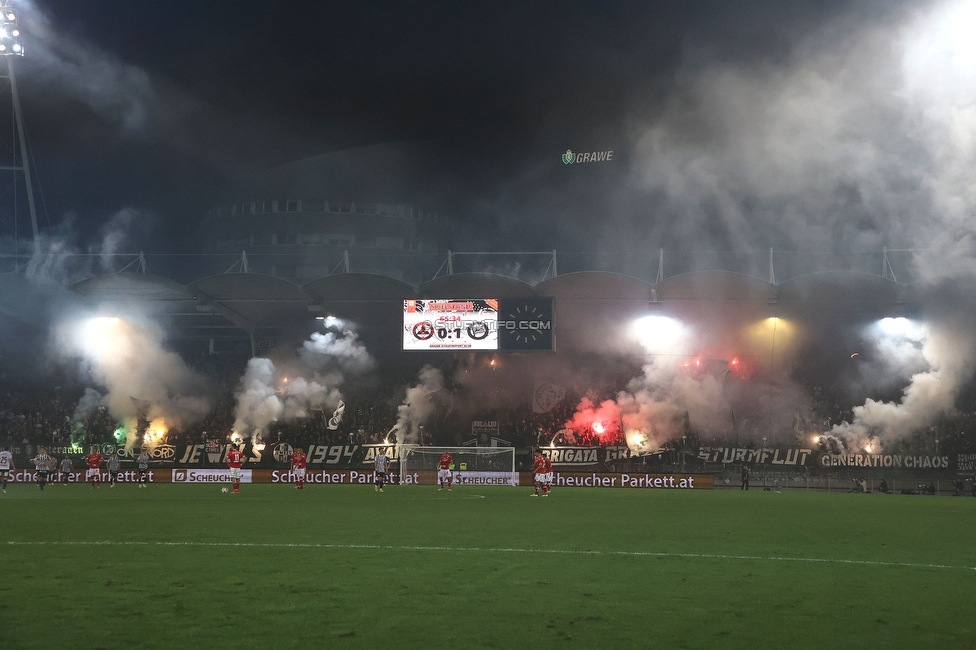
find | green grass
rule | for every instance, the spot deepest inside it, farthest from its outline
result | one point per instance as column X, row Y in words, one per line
column 498, row 578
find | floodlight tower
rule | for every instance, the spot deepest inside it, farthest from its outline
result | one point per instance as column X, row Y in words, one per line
column 11, row 47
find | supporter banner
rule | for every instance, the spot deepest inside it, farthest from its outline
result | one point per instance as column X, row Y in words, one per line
column 570, row 456
column 207, row 476
column 966, row 463
column 761, row 456
column 546, row 395
column 128, row 476
column 157, row 453
column 484, row 431
column 884, row 460
column 632, row 480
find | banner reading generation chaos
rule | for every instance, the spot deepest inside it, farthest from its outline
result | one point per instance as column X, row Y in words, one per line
column 508, row 324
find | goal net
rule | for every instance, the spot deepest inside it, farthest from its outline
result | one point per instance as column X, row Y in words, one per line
column 472, row 465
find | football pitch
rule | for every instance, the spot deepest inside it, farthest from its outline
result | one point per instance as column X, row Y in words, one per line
column 344, row 566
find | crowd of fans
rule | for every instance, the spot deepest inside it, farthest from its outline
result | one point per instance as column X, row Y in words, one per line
column 44, row 413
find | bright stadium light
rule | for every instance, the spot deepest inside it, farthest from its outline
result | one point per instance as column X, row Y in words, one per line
column 901, row 327
column 10, row 44
column 101, row 335
column 661, row 334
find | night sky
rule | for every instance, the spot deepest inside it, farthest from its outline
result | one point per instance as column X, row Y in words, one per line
column 165, row 108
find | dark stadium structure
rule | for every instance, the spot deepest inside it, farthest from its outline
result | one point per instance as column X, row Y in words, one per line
column 367, row 209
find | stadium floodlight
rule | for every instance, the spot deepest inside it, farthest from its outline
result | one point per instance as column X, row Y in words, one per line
column 661, row 334
column 12, row 46
column 10, row 43
column 902, row 328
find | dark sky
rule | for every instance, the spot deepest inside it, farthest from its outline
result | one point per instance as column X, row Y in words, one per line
column 223, row 89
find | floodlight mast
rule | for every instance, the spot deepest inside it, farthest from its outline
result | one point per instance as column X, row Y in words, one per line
column 11, row 46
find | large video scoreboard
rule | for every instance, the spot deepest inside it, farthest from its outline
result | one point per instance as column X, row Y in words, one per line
column 509, row 324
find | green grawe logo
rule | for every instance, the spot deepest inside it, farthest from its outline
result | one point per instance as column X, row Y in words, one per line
column 569, row 157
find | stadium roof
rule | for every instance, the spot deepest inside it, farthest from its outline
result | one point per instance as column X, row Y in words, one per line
column 839, row 286
column 715, row 286
column 595, row 285
column 477, row 285
column 252, row 300
column 359, row 286
column 157, row 291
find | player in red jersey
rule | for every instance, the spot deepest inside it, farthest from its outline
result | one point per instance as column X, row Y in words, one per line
column 547, row 482
column 298, row 468
column 444, row 477
column 94, row 474
column 538, row 471
column 234, row 459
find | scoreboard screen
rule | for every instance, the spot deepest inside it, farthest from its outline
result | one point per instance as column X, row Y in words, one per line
column 508, row 324
column 450, row 324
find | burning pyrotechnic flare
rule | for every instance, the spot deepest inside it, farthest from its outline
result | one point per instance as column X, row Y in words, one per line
column 141, row 378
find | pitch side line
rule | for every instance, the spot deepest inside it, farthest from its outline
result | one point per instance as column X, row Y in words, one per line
column 475, row 549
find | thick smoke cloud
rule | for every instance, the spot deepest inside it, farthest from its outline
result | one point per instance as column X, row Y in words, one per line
column 863, row 137
column 655, row 404
column 298, row 388
column 947, row 350
column 141, row 378
column 860, row 139
column 419, row 404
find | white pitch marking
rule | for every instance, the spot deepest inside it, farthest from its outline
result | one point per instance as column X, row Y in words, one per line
column 475, row 549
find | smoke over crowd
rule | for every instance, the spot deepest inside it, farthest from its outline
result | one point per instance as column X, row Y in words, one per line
column 141, row 379
column 299, row 387
column 858, row 135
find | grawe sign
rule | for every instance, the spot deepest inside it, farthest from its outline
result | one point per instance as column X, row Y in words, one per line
column 570, row 158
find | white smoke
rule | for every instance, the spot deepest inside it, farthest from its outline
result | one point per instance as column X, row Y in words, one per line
column 295, row 390
column 338, row 343
column 655, row 404
column 258, row 404
column 419, row 404
column 63, row 257
column 90, row 400
column 141, row 378
column 862, row 136
column 119, row 92
column 948, row 352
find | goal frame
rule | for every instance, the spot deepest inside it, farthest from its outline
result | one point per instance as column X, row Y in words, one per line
column 405, row 450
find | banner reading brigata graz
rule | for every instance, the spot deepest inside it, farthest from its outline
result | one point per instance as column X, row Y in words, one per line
column 578, row 456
